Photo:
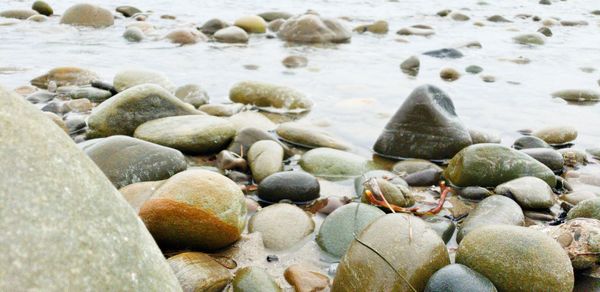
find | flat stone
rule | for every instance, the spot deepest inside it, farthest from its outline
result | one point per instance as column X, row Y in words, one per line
column 530, row 192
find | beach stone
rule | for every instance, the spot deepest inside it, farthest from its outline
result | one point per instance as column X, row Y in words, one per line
column 488, row 165
column 125, row 160
column 21, row 14
column 411, row 30
column 295, row 62
column 91, row 93
column 124, row 112
column 51, row 206
column 251, row 119
column 311, row 28
column 549, row 157
column 479, row 136
column 79, row 105
column 595, row 152
column 197, row 271
column 577, row 95
column 383, row 174
column 212, row 26
column 424, row 178
column 308, row 136
column 128, row 78
column 196, row 209
column 136, row 194
column 497, row 18
column 545, row 31
column 395, row 194
column 275, row 25
column 573, row 157
column 42, row 8
column 274, row 15
column 56, row 120
column 530, row 192
column 65, row 76
column 305, row 280
column 85, row 14
column 246, row 137
column 413, row 249
column 221, row 110
column 444, row 54
column 576, row 197
column 251, row 24
column 586, row 209
column 133, row 34
column 265, row 158
column 516, row 258
column 459, row 16
column 530, row 39
column 146, row 27
column 199, row 134
column 254, row 279
column 458, row 278
column 527, row 142
column 330, row 162
column 492, row 210
column 128, row 11
column 474, row 69
column 295, row 186
column 281, row 225
column 410, row 166
column 337, row 229
column 231, row 34
column 269, row 96
column 186, row 36
column 426, row 126
column 449, row 74
column 377, row 27
column 227, row 160
column 556, row 134
column 38, row 18
column 443, row 226
column 193, row 94
column 411, row 66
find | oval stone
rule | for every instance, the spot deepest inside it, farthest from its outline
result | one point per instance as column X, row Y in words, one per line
column 333, row 163
column 586, row 209
column 530, row 192
column 265, row 158
column 295, row 186
column 492, row 210
column 458, row 278
column 269, row 96
column 254, row 279
column 281, row 225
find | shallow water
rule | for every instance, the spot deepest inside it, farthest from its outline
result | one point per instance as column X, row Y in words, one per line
column 356, row 86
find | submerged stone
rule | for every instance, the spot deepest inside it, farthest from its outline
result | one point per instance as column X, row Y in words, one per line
column 426, row 126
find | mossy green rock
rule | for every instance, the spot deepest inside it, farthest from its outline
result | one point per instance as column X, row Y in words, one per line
column 516, row 258
column 190, row 134
column 458, row 278
column 586, row 209
column 330, row 162
column 254, row 279
column 412, row 248
column 488, row 165
column 530, row 192
column 338, row 229
column 269, row 96
column 125, row 160
column 42, row 8
column 492, row 210
column 426, row 126
column 64, row 226
column 124, row 112
column 197, row 209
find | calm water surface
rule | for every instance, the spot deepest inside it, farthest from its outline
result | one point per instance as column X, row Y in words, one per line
column 356, row 86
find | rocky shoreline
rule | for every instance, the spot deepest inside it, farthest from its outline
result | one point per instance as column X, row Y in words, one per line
column 142, row 184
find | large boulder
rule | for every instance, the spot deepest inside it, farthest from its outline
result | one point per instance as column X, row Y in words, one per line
column 124, row 112
column 125, row 160
column 488, row 165
column 311, row 28
column 426, row 126
column 191, row 134
column 64, row 226
column 516, row 258
column 413, row 249
column 196, row 209
column 269, row 96
column 87, row 15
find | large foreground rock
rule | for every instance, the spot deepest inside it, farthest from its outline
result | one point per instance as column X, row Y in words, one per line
column 516, row 258
column 124, row 112
column 412, row 248
column 311, row 28
column 64, row 226
column 488, row 165
column 125, row 160
column 426, row 126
